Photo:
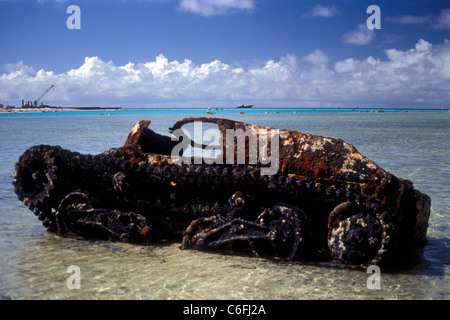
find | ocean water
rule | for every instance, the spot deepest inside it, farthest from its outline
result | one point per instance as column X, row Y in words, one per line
column 414, row 145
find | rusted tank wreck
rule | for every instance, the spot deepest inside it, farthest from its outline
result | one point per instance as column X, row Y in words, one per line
column 324, row 202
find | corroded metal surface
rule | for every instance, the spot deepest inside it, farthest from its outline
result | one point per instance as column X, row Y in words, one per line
column 325, row 200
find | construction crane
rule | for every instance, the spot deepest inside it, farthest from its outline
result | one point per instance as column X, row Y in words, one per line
column 42, row 95
column 30, row 104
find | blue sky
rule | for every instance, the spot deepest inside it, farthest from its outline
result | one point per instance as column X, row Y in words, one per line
column 187, row 53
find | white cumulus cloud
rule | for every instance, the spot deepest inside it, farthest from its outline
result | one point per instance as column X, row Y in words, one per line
column 443, row 20
column 216, row 7
column 322, row 11
column 417, row 77
column 360, row 36
column 316, row 57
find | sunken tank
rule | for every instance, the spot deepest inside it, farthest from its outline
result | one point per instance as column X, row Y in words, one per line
column 270, row 192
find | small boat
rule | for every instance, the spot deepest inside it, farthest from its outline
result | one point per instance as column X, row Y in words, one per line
column 241, row 106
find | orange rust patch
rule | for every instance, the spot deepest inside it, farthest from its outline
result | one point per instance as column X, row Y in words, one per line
column 135, row 160
column 135, row 133
column 145, row 230
column 321, row 170
column 380, row 191
column 305, row 165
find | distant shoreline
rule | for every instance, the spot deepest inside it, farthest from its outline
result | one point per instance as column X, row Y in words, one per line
column 56, row 109
column 221, row 110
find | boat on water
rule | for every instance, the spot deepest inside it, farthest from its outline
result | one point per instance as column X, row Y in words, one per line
column 241, row 106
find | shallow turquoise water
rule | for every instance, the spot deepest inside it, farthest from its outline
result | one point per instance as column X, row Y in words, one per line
column 412, row 145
